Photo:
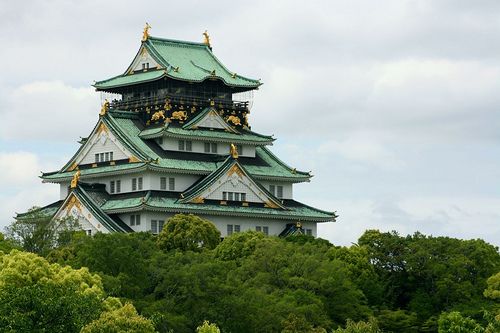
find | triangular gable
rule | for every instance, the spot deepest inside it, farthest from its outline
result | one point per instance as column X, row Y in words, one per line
column 101, row 140
column 143, row 56
column 209, row 118
column 91, row 217
column 230, row 177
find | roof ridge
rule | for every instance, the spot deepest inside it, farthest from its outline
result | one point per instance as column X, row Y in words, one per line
column 177, row 41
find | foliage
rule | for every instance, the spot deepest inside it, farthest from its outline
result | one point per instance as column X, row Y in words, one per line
column 239, row 245
column 454, row 322
column 36, row 295
column 253, row 283
column 38, row 233
column 6, row 245
column 206, row 327
column 493, row 289
column 188, row 233
column 124, row 319
column 429, row 275
column 370, row 326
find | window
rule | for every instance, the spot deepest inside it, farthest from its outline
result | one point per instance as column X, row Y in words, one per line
column 185, row 145
column 236, row 228
column 309, row 232
column 103, row 157
column 163, row 183
column 272, row 189
column 135, row 220
column 234, row 196
column 145, row 66
column 265, row 230
column 210, row 147
column 276, row 190
column 160, row 225
column 112, row 186
column 240, row 149
column 118, row 186
column 137, row 184
column 171, row 184
column 88, row 232
column 229, row 229
column 279, row 191
column 154, row 226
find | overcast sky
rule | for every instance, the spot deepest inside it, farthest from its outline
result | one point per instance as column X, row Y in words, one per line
column 393, row 105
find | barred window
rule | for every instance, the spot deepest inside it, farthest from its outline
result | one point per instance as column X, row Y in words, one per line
column 171, row 184
column 112, row 186
column 154, row 226
column 163, row 183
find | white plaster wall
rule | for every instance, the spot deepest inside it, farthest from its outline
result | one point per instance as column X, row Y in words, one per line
column 64, row 190
column 104, row 143
column 199, row 147
column 221, row 222
column 287, row 188
column 150, row 181
column 85, row 218
column 235, row 183
column 143, row 58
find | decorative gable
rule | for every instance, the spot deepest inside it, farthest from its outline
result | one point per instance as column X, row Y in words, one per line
column 73, row 207
column 105, row 144
column 143, row 61
column 210, row 118
column 230, row 183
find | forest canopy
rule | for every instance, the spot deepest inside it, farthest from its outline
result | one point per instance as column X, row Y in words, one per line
column 186, row 279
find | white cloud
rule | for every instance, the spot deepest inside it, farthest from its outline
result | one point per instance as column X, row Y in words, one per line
column 48, row 111
column 21, row 187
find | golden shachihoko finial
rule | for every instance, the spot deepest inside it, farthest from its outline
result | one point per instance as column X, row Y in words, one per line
column 76, row 178
column 145, row 33
column 206, row 38
column 104, row 108
column 234, row 151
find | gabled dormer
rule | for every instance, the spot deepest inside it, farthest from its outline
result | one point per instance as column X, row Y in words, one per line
column 209, row 118
column 231, row 183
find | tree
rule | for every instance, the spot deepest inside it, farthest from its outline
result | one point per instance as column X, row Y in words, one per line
column 123, row 319
column 188, row 233
column 454, row 322
column 239, row 245
column 207, row 327
column 36, row 296
column 6, row 245
column 38, row 233
column 493, row 289
column 359, row 327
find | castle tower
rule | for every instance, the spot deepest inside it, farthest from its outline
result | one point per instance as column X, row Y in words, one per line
column 173, row 138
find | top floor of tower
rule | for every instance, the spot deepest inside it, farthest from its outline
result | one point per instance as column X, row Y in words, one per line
column 178, row 71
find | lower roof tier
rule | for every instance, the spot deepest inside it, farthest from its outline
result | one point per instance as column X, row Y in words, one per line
column 148, row 155
column 107, row 207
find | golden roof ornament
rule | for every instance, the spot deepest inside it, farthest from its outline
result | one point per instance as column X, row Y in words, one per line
column 206, row 39
column 76, row 178
column 234, row 151
column 104, row 108
column 145, row 33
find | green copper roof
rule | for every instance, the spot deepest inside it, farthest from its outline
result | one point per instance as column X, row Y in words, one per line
column 181, row 60
column 127, row 80
column 245, row 136
column 127, row 129
column 42, row 212
column 209, row 180
column 90, row 201
column 167, row 202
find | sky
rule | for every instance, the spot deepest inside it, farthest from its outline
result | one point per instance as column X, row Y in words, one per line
column 393, row 105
